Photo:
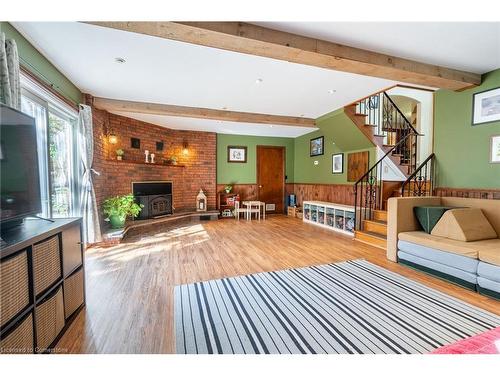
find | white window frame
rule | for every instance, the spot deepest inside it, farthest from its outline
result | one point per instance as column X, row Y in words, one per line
column 52, row 104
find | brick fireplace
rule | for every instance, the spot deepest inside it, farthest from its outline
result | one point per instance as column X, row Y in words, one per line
column 195, row 170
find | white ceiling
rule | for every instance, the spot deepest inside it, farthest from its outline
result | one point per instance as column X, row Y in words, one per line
column 170, row 72
column 469, row 46
column 216, row 126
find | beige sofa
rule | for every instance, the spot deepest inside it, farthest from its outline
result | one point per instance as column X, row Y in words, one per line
column 474, row 264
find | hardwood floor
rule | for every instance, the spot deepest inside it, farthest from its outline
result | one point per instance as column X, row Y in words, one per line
column 130, row 286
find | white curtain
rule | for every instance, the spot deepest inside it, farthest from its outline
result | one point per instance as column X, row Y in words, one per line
column 10, row 86
column 88, row 205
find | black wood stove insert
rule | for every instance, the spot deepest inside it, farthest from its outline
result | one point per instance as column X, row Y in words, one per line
column 156, row 196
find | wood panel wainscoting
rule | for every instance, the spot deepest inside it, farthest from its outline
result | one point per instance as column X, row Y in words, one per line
column 246, row 191
column 338, row 193
column 467, row 193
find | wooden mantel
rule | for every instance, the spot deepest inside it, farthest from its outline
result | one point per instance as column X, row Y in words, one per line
column 260, row 41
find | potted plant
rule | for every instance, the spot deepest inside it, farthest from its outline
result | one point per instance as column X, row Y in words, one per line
column 118, row 208
column 119, row 154
column 171, row 160
column 228, row 188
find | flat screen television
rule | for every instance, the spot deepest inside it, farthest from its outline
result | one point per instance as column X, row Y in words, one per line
column 19, row 176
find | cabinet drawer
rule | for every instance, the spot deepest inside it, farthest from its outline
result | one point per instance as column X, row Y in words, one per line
column 49, row 319
column 14, row 286
column 72, row 249
column 46, row 264
column 73, row 293
column 20, row 339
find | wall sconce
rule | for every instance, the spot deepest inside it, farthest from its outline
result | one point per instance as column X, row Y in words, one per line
column 185, row 150
column 112, row 139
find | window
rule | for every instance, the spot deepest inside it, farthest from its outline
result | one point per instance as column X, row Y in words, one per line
column 57, row 156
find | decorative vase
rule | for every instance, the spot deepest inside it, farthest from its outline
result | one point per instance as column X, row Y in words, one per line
column 117, row 221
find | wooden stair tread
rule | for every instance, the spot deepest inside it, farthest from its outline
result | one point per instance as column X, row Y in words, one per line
column 377, row 227
column 380, row 215
column 371, row 238
column 381, row 222
column 373, row 234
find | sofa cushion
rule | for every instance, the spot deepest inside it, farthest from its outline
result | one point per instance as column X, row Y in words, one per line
column 468, row 249
column 428, row 216
column 443, row 268
column 461, row 262
column 488, row 284
column 491, row 255
column 464, row 224
column 489, row 271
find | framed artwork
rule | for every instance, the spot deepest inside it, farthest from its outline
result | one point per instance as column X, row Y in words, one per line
column 135, row 143
column 495, row 149
column 159, row 146
column 337, row 163
column 316, row 146
column 486, row 106
column 236, row 154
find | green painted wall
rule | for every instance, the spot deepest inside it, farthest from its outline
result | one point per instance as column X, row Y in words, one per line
column 246, row 173
column 462, row 150
column 341, row 135
column 36, row 63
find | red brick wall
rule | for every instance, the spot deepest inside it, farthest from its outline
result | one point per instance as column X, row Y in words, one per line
column 116, row 177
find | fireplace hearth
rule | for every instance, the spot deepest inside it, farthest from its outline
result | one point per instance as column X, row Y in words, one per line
column 155, row 196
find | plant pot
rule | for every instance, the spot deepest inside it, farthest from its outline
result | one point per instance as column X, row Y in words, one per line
column 228, row 191
column 119, row 157
column 117, row 221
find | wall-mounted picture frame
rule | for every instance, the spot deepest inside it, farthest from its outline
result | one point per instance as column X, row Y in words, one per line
column 495, row 149
column 159, row 146
column 236, row 154
column 135, row 142
column 338, row 163
column 486, row 106
column 316, row 146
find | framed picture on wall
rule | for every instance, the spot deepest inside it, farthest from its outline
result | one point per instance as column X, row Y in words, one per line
column 486, row 106
column 236, row 154
column 316, row 146
column 337, row 163
column 495, row 149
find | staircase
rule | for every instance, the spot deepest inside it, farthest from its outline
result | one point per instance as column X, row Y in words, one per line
column 383, row 123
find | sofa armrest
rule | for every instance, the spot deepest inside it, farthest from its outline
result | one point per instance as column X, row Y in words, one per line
column 400, row 218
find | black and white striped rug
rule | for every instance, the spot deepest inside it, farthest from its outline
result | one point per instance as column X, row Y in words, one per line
column 348, row 307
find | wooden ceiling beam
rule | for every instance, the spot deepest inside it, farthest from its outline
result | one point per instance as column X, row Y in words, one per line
column 260, row 41
column 114, row 105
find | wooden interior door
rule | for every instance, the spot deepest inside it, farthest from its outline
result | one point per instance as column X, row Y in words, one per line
column 271, row 176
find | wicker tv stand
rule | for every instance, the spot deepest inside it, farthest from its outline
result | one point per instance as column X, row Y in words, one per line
column 42, row 284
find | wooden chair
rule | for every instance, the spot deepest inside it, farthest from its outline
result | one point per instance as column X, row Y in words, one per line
column 253, row 207
column 239, row 210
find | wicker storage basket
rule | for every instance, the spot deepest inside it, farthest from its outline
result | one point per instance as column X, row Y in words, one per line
column 14, row 286
column 49, row 319
column 73, row 292
column 20, row 340
column 46, row 264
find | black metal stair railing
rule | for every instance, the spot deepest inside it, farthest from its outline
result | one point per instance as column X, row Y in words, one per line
column 421, row 181
column 399, row 135
column 368, row 189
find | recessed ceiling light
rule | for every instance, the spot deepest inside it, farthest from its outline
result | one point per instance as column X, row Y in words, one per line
column 271, row 126
column 259, row 80
column 332, row 91
column 119, row 60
